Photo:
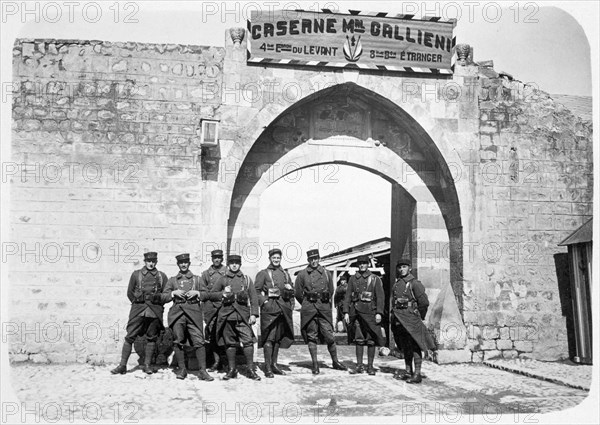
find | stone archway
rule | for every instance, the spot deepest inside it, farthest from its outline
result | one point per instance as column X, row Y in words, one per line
column 349, row 124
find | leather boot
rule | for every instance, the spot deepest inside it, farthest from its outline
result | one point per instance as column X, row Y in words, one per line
column 415, row 379
column 370, row 358
column 359, row 361
column 119, row 370
column 125, row 353
column 312, row 349
column 149, row 352
column 274, row 366
column 232, row 372
column 249, row 354
column 201, row 356
column 268, row 353
column 334, row 360
column 180, row 356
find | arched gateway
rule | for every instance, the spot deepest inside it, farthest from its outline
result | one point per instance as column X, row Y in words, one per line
column 352, row 125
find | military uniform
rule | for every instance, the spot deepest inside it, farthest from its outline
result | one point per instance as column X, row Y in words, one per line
column 409, row 307
column 313, row 290
column 233, row 325
column 185, row 317
column 364, row 300
column 145, row 316
column 210, row 277
column 338, row 300
column 276, row 308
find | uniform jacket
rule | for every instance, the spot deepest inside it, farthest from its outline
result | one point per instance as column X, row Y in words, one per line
column 146, row 282
column 210, row 277
column 271, row 308
column 358, row 284
column 186, row 282
column 411, row 318
column 340, row 294
column 317, row 280
column 238, row 282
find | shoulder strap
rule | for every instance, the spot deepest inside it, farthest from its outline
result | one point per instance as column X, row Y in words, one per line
column 195, row 282
column 139, row 282
column 160, row 282
column 369, row 281
column 270, row 272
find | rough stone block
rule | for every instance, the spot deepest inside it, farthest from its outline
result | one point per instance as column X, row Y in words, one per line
column 489, row 344
column 492, row 354
column 18, row 358
column 505, row 333
column 477, row 357
column 524, row 346
column 39, row 358
column 490, row 332
column 510, row 354
column 504, row 344
column 453, row 356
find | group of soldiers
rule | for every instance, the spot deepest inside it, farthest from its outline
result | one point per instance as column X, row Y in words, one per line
column 215, row 312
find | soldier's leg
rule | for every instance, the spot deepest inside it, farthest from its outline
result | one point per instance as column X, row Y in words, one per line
column 232, row 343
column 326, row 331
column 151, row 338
column 178, row 329
column 370, row 357
column 312, row 336
column 199, row 343
column 247, row 339
column 268, row 353
column 418, row 358
column 134, row 327
column 275, row 367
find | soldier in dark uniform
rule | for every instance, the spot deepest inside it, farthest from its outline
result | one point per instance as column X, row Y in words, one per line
column 145, row 317
column 276, row 300
column 210, row 276
column 409, row 307
column 314, row 288
column 338, row 299
column 363, row 310
column 236, row 316
column 186, row 290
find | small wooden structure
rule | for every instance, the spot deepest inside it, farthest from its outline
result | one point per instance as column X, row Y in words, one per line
column 579, row 244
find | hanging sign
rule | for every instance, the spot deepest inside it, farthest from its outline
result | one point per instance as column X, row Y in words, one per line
column 355, row 40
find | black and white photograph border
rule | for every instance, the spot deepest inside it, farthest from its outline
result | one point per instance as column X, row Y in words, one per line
column 448, row 145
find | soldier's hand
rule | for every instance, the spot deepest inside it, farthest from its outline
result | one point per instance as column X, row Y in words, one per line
column 288, row 286
column 252, row 320
column 190, row 295
column 347, row 318
column 227, row 289
column 378, row 318
column 178, row 293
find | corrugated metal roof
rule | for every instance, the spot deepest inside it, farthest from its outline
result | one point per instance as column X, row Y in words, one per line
column 581, row 235
column 580, row 106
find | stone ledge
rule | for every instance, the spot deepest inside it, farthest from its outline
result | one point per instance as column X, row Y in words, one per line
column 452, row 356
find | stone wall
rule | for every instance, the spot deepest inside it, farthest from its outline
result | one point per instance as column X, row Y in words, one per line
column 535, row 188
column 107, row 164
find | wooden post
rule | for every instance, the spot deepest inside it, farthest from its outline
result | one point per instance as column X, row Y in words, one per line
column 403, row 210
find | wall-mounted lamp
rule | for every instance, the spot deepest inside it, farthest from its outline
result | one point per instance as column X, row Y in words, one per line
column 209, row 132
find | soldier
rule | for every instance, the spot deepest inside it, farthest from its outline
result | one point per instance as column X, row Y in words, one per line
column 186, row 290
column 145, row 317
column 313, row 289
column 210, row 276
column 276, row 299
column 338, row 299
column 409, row 307
column 363, row 310
column 236, row 316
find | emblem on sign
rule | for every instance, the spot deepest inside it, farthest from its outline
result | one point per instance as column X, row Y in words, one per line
column 352, row 49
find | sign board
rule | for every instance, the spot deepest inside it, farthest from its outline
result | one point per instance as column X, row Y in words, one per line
column 355, row 40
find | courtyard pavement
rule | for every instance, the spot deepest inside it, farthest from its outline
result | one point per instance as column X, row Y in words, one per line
column 466, row 393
